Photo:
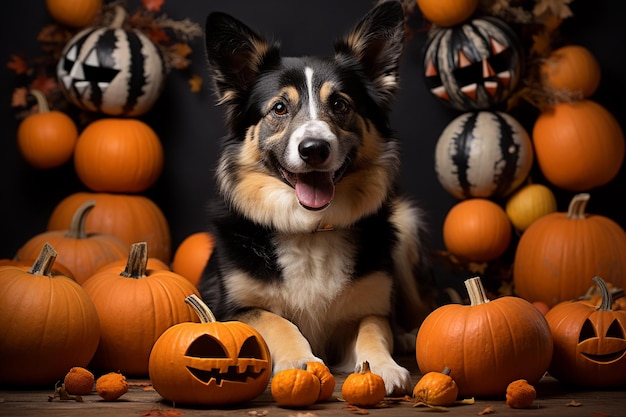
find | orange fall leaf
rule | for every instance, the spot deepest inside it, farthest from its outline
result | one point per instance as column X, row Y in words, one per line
column 152, row 5
column 17, row 64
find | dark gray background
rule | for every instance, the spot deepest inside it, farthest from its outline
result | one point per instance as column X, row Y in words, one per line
column 190, row 125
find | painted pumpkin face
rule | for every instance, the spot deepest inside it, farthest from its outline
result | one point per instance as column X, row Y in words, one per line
column 589, row 344
column 111, row 70
column 473, row 66
column 214, row 363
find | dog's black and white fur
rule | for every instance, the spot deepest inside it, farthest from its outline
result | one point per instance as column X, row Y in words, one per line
column 314, row 248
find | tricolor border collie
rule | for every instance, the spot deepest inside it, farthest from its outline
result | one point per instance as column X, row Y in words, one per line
column 314, row 247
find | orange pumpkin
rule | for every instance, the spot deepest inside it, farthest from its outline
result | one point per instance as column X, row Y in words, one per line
column 477, row 230
column 589, row 342
column 529, row 203
column 558, row 253
column 74, row 13
column 295, row 388
column 46, row 139
column 447, row 12
column 436, row 388
column 363, row 388
column 132, row 218
column 118, row 155
column 327, row 379
column 135, row 307
column 572, row 68
column 211, row 362
column 487, row 344
column 81, row 252
column 49, row 324
column 192, row 255
column 578, row 145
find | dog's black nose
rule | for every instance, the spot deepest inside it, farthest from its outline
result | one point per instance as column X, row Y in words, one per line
column 314, row 151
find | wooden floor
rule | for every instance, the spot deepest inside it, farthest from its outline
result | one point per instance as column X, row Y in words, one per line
column 553, row 399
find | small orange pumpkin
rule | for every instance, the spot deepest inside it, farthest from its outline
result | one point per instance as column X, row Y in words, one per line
column 327, row 379
column 589, row 342
column 81, row 252
column 529, row 203
column 132, row 218
column 487, row 344
column 558, row 253
column 49, row 323
column 447, row 12
column 295, row 388
column 436, row 388
column 363, row 388
column 47, row 138
column 74, row 13
column 118, row 155
column 135, row 307
column 192, row 255
column 211, row 362
column 572, row 68
column 477, row 230
column 578, row 145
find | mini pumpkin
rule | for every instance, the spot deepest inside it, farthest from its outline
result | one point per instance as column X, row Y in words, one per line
column 475, row 65
column 81, row 252
column 529, row 203
column 327, row 379
column 135, row 306
column 572, row 68
column 436, row 388
column 363, row 388
column 74, row 13
column 447, row 12
column 46, row 139
column 211, row 362
column 483, row 154
column 111, row 70
column 295, row 388
column 487, row 344
column 49, row 324
column 589, row 342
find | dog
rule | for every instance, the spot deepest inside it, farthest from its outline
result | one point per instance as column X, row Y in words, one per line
column 315, row 247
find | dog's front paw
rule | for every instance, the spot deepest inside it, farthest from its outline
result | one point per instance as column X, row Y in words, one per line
column 397, row 379
column 288, row 363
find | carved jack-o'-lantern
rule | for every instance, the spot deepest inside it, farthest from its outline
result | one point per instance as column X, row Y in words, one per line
column 589, row 342
column 209, row 363
column 473, row 66
column 111, row 70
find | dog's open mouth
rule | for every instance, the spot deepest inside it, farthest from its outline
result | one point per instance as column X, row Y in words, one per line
column 314, row 189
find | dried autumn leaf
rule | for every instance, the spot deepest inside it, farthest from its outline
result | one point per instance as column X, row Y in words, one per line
column 44, row 83
column 17, row 64
column 486, row 410
column 195, row 82
column 158, row 35
column 558, row 8
column 152, row 5
column 573, row 403
column 162, row 413
column 19, row 97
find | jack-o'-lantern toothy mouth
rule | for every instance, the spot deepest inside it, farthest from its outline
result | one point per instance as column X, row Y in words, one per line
column 606, row 358
column 233, row 374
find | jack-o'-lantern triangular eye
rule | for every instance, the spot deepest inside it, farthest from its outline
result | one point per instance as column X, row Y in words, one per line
column 587, row 331
column 251, row 348
column 206, row 346
column 615, row 330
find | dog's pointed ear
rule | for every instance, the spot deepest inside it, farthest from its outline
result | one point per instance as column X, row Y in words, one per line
column 376, row 43
column 235, row 54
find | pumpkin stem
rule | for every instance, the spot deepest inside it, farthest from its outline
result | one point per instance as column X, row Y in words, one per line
column 77, row 225
column 446, row 371
column 137, row 261
column 202, row 310
column 365, row 368
column 577, row 206
column 45, row 261
column 42, row 101
column 119, row 18
column 476, row 291
column 607, row 299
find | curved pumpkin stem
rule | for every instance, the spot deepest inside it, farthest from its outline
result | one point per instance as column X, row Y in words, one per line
column 77, row 225
column 202, row 310
column 607, row 299
column 476, row 291
column 577, row 206
column 119, row 17
column 137, row 261
column 45, row 261
column 42, row 101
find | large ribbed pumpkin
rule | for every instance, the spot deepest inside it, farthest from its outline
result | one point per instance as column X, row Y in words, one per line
column 483, row 154
column 135, row 306
column 558, row 253
column 132, row 218
column 487, row 345
column 475, row 65
column 112, row 70
column 578, row 145
column 118, row 156
column 48, row 323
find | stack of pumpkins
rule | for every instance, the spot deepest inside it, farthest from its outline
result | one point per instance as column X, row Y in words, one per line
column 483, row 158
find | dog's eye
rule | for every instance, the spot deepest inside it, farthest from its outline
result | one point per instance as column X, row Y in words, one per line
column 340, row 106
column 279, row 109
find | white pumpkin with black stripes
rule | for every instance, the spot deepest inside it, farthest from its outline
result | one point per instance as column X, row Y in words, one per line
column 473, row 66
column 112, row 70
column 483, row 154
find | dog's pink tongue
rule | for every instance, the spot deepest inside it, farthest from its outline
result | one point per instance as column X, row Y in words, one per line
column 315, row 189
